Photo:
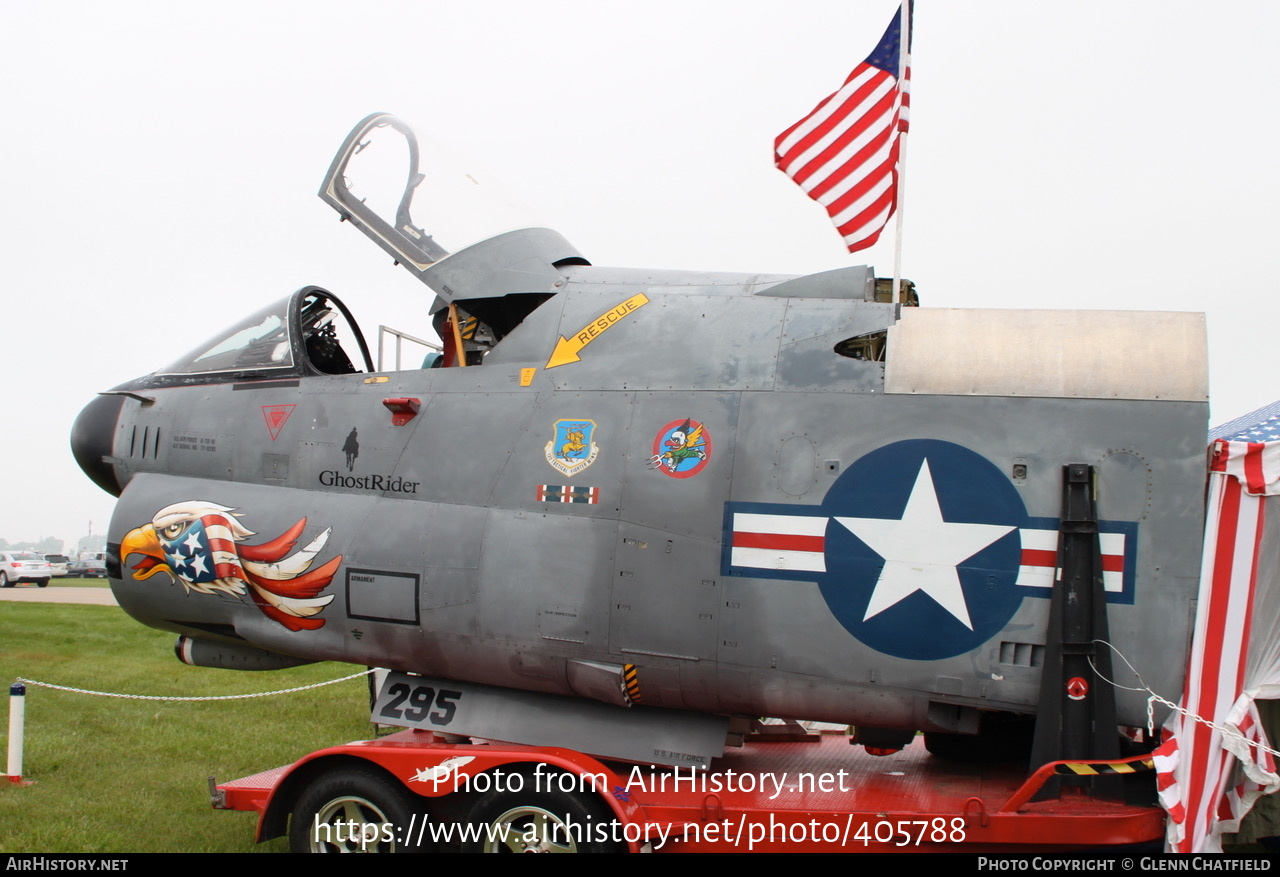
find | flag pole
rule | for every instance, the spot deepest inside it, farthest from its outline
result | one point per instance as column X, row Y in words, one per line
column 904, row 61
column 897, row 229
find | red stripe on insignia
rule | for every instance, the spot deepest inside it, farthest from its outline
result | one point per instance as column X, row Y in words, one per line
column 1044, row 557
column 1039, row 557
column 780, row 541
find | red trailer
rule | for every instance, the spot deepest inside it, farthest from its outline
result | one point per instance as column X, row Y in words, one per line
column 779, row 792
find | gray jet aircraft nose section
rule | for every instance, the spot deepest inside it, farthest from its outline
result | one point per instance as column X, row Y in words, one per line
column 91, row 438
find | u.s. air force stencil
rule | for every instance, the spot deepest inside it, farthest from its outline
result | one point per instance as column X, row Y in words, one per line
column 922, row 549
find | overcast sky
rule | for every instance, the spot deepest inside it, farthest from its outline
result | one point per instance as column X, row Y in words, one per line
column 163, row 158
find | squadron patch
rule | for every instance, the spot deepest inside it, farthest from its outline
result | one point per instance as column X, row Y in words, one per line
column 681, row 449
column 573, row 448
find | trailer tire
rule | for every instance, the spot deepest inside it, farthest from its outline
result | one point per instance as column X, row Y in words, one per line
column 547, row 821
column 382, row 811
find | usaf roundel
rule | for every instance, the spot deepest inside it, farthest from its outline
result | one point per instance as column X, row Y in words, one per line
column 922, row 549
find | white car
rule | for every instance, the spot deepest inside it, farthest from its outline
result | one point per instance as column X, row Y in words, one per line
column 58, row 564
column 23, row 566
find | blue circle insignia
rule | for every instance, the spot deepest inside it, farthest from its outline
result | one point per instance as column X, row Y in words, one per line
column 922, row 549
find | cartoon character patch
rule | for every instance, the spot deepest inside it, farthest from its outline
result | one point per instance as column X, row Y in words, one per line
column 573, row 448
column 681, row 449
column 201, row 545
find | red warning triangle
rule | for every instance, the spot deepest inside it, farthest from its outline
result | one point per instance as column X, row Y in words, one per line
column 275, row 416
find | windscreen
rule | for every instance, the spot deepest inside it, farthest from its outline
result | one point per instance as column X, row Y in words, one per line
column 260, row 341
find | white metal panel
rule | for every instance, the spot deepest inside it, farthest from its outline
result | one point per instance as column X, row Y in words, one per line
column 1055, row 354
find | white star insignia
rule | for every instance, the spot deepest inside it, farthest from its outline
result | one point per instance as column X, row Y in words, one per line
column 921, row 551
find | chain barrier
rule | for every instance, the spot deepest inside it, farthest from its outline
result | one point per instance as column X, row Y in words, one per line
column 1153, row 699
column 206, row 697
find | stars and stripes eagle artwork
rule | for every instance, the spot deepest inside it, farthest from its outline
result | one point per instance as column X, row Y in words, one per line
column 201, row 545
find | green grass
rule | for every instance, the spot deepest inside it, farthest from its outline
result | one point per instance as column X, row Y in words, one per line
column 70, row 582
column 119, row 776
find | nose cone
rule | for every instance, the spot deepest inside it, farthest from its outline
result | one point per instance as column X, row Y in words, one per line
column 91, row 438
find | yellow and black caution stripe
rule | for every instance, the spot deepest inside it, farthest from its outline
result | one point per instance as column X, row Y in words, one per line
column 1109, row 768
column 631, row 682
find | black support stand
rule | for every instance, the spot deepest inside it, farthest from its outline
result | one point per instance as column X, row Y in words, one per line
column 1077, row 714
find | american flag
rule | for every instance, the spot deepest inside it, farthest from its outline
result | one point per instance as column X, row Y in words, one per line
column 1209, row 776
column 1262, row 425
column 844, row 153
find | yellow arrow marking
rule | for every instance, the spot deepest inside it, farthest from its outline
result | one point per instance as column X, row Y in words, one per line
column 567, row 349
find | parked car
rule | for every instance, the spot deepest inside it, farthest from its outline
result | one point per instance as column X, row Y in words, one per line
column 89, row 569
column 23, row 566
column 59, row 564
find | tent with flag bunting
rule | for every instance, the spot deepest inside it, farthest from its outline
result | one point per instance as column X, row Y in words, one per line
column 1214, row 762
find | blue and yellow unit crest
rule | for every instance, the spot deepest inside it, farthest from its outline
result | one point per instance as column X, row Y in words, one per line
column 573, row 448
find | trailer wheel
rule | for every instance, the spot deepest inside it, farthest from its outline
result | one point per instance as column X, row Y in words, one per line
column 354, row 810
column 542, row 822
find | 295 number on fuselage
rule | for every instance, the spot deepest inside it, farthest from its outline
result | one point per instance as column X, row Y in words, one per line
column 417, row 704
